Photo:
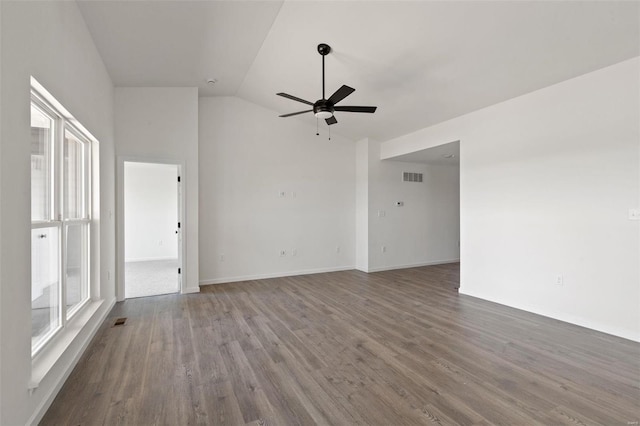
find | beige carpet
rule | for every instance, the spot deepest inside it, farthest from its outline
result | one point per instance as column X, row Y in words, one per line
column 150, row 278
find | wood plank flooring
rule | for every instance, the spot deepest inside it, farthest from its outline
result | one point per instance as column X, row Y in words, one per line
column 389, row 348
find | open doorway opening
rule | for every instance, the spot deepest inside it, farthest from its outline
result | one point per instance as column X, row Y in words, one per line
column 432, row 214
column 151, row 229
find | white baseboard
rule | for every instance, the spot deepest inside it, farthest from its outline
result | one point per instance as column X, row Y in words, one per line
column 581, row 322
column 149, row 259
column 273, row 275
column 44, row 405
column 190, row 290
column 413, row 265
column 211, row 281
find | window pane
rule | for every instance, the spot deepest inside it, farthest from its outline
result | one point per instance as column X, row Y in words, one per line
column 41, row 144
column 76, row 269
column 45, row 284
column 73, row 177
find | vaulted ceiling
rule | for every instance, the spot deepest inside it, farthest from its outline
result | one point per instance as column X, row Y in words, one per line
column 420, row 62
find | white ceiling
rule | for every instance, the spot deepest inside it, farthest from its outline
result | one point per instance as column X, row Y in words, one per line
column 439, row 155
column 420, row 62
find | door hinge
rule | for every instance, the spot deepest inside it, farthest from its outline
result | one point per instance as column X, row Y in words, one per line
column 178, row 224
column 179, row 270
column 178, row 178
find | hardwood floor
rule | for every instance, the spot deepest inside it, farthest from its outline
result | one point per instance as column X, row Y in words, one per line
column 389, row 348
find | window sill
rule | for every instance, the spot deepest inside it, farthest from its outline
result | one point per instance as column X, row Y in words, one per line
column 44, row 362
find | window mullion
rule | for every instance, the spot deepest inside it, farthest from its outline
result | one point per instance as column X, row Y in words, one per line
column 87, row 180
column 58, row 168
column 60, row 188
column 44, row 224
column 63, row 273
column 87, row 216
column 53, row 152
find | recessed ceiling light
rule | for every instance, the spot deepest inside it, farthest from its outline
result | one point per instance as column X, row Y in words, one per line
column 449, row 155
column 212, row 81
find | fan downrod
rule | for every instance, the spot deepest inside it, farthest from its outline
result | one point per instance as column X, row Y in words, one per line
column 324, row 49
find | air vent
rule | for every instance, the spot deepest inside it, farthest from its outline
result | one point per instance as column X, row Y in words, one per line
column 120, row 321
column 411, row 177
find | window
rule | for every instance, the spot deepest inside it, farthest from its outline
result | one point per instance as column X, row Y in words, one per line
column 60, row 220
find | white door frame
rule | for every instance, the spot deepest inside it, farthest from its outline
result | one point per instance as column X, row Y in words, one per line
column 120, row 220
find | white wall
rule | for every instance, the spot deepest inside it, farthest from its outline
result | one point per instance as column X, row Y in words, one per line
column 151, row 211
column 362, row 205
column 1, row 226
column 50, row 41
column 547, row 180
column 248, row 155
column 425, row 230
column 161, row 124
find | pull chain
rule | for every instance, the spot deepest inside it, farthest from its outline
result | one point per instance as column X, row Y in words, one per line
column 329, row 132
column 317, row 128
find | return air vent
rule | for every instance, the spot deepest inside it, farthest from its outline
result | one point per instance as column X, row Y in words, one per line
column 411, row 177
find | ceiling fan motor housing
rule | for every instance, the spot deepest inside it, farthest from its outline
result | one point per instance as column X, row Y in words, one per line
column 323, row 109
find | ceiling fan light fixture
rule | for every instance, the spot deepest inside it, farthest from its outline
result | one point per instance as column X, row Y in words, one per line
column 323, row 114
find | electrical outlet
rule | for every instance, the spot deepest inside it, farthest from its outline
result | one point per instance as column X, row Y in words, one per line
column 559, row 280
column 383, row 249
column 282, row 194
column 283, row 253
column 634, row 214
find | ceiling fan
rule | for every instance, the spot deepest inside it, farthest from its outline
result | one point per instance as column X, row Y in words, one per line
column 324, row 108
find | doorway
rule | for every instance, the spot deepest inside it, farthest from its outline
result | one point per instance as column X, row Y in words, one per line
column 152, row 234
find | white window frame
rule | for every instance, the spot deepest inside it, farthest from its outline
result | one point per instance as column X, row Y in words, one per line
column 85, row 219
column 57, row 218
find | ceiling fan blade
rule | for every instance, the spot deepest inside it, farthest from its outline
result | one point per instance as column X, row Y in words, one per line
column 294, row 98
column 356, row 108
column 295, row 113
column 340, row 94
column 331, row 120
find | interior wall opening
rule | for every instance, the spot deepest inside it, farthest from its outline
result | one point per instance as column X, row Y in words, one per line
column 437, row 205
column 152, row 239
